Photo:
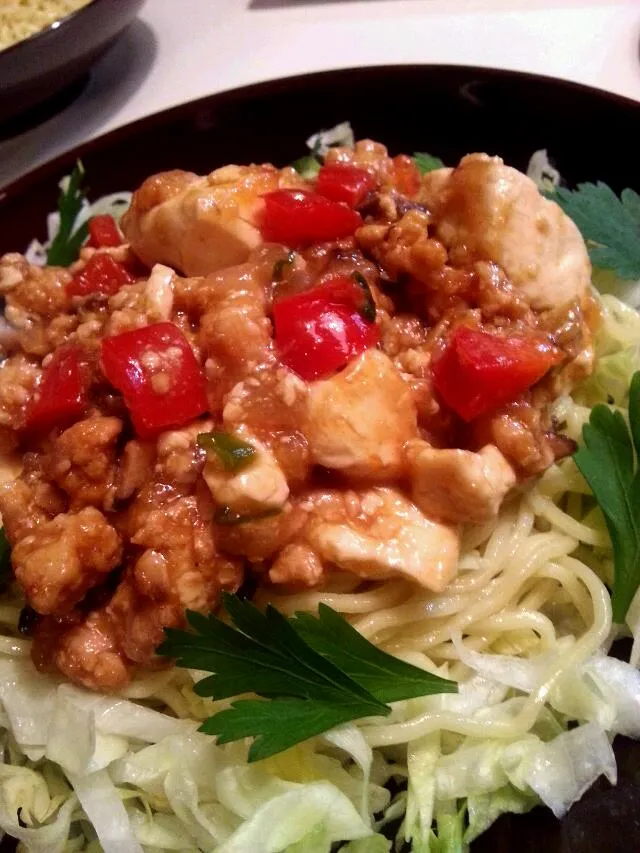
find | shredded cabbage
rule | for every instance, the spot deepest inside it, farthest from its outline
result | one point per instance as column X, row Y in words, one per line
column 321, row 142
column 101, row 803
column 114, row 204
column 541, row 172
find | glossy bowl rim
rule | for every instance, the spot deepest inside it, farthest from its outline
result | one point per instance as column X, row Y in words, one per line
column 254, row 90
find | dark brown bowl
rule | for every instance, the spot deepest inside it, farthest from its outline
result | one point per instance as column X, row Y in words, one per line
column 448, row 111
column 39, row 67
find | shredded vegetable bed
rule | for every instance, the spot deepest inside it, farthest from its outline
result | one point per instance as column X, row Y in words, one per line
column 322, row 507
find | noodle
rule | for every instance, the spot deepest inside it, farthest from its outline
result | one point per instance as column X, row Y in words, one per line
column 545, row 508
column 513, row 574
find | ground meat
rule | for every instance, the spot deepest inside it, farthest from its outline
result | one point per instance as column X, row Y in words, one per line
column 366, row 154
column 87, row 653
column 27, row 503
column 291, row 452
column 136, row 462
column 179, row 560
column 179, row 458
column 405, row 248
column 523, row 434
column 235, row 329
column 401, row 332
column 297, row 565
column 147, row 301
column 262, row 538
column 137, row 621
column 61, row 559
column 37, row 304
column 83, row 462
column 19, row 378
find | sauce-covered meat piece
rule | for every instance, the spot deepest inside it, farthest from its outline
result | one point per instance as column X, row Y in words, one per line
column 459, row 486
column 37, row 307
column 378, row 533
column 83, row 461
column 200, row 406
column 200, row 224
column 60, row 560
column 359, row 421
column 487, row 211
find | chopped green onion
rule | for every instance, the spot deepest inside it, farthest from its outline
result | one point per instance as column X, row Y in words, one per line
column 280, row 264
column 368, row 308
column 231, row 451
column 307, row 167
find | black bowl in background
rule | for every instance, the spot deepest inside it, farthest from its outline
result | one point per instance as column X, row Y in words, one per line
column 41, row 66
column 448, row 111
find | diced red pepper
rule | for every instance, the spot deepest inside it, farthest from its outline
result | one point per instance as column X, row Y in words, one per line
column 319, row 331
column 406, row 175
column 103, row 232
column 63, row 393
column 343, row 182
column 480, row 371
column 101, row 274
column 158, row 375
column 299, row 217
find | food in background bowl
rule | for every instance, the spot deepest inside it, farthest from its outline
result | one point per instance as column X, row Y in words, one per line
column 20, row 19
column 350, row 388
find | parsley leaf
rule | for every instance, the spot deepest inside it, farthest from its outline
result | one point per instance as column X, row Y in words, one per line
column 234, row 453
column 307, row 687
column 388, row 678
column 66, row 244
column 609, row 225
column 427, row 162
column 609, row 463
column 278, row 724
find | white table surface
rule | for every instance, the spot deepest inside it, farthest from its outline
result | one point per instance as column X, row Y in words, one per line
column 183, row 49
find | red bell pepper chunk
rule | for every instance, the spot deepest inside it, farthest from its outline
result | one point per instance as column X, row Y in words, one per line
column 406, row 175
column 101, row 274
column 480, row 371
column 343, row 182
column 299, row 217
column 103, row 232
column 63, row 393
column 158, row 375
column 319, row 331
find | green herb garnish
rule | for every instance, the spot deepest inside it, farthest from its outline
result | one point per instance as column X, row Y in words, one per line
column 307, row 167
column 280, row 265
column 609, row 463
column 66, row 244
column 609, row 225
column 307, row 687
column 388, row 678
column 234, row 453
column 368, row 307
column 427, row 162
